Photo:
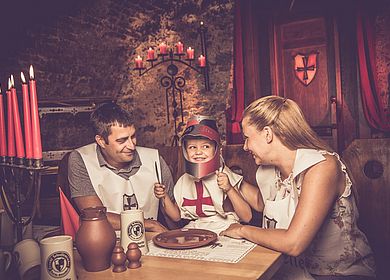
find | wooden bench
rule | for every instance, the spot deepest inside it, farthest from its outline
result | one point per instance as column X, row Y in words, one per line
column 235, row 157
column 369, row 163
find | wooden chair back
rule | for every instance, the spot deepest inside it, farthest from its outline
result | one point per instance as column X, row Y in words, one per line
column 62, row 178
column 369, row 163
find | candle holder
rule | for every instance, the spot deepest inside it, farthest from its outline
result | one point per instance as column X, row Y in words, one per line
column 18, row 184
column 174, row 84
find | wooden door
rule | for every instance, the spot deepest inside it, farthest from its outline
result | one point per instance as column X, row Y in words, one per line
column 303, row 61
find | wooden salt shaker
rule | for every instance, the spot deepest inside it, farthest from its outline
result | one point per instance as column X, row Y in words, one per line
column 118, row 259
column 133, row 255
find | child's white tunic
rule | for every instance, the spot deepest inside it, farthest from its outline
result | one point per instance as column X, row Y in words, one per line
column 207, row 199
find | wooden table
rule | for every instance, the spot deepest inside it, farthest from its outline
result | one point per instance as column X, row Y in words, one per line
column 260, row 263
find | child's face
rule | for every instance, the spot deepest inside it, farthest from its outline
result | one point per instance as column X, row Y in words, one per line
column 200, row 150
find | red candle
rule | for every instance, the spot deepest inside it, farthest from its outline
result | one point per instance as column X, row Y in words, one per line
column 179, row 48
column 35, row 127
column 26, row 118
column 138, row 62
column 202, row 61
column 10, row 123
column 18, row 127
column 163, row 48
column 3, row 143
column 150, row 54
column 190, row 53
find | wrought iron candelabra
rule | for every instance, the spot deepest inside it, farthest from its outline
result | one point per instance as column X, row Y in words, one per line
column 18, row 184
column 174, row 83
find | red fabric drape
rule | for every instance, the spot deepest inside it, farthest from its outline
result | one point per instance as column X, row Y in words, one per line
column 69, row 216
column 234, row 135
column 373, row 106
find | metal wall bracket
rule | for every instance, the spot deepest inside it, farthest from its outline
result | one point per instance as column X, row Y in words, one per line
column 54, row 155
column 61, row 110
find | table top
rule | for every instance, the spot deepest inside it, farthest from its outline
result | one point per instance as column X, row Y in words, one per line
column 260, row 263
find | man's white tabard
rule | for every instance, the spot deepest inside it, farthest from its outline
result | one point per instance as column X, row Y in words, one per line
column 111, row 187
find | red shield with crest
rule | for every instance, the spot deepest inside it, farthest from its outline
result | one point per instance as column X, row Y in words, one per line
column 305, row 67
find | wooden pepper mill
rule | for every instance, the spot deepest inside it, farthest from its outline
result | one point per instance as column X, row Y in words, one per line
column 133, row 255
column 118, row 259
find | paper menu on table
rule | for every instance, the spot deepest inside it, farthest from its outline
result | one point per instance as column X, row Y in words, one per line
column 225, row 249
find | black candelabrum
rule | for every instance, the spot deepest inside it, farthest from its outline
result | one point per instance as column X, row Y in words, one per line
column 174, row 83
column 20, row 181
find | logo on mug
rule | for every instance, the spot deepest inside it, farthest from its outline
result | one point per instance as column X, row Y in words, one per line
column 58, row 264
column 135, row 230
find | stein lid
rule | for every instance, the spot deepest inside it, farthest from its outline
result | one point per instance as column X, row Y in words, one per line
column 94, row 213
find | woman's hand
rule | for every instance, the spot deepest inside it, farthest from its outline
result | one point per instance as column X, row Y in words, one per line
column 223, row 181
column 233, row 231
column 159, row 190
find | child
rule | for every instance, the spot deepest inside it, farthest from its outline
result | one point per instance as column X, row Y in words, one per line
column 208, row 193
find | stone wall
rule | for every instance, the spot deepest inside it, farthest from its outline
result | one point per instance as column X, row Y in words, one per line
column 85, row 49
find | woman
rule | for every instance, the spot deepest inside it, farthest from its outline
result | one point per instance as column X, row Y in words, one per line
column 309, row 212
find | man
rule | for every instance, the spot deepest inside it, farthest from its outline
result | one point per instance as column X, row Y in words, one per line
column 116, row 173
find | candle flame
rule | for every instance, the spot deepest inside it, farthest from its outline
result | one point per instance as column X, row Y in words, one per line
column 12, row 81
column 22, row 77
column 9, row 83
column 0, row 89
column 201, row 23
column 139, row 57
column 31, row 73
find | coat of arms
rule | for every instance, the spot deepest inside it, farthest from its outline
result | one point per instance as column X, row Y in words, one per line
column 305, row 67
column 269, row 223
column 130, row 202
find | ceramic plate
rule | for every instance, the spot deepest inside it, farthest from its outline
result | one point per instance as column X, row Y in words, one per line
column 185, row 238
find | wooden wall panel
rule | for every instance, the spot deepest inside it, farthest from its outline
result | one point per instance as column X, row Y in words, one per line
column 306, row 36
column 313, row 99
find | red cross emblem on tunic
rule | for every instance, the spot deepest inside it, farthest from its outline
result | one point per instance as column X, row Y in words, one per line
column 199, row 201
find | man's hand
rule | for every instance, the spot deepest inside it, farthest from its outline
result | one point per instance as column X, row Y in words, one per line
column 154, row 226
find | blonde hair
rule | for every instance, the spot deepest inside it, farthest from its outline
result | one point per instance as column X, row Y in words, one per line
column 286, row 120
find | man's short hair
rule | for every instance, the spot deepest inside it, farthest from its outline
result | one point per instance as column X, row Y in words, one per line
column 107, row 115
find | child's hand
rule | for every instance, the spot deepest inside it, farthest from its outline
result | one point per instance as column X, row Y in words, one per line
column 159, row 190
column 223, row 181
